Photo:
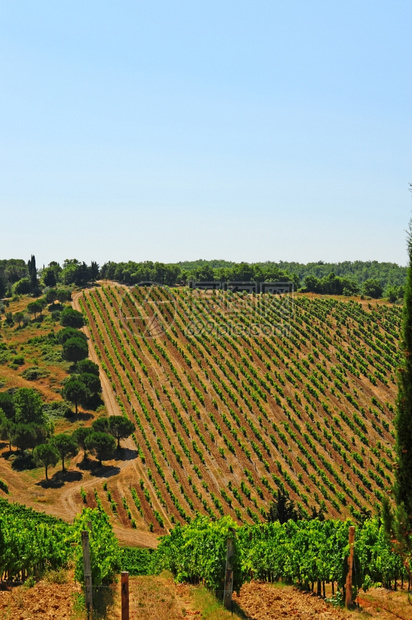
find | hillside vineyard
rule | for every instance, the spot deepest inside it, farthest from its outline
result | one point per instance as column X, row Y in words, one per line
column 237, row 395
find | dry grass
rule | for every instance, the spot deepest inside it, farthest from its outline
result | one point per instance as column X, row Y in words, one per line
column 150, row 597
column 42, row 355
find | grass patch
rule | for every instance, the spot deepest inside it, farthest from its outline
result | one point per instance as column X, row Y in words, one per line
column 58, row 576
column 209, row 606
column 30, row 582
column 51, row 354
column 78, row 611
column 151, row 597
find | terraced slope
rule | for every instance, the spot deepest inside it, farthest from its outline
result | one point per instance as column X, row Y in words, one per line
column 236, row 395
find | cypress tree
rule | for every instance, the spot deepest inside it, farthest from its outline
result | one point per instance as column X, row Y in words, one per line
column 31, row 265
column 397, row 523
column 403, row 421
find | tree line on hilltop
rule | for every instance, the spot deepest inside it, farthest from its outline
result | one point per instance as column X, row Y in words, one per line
column 20, row 278
column 372, row 278
column 369, row 278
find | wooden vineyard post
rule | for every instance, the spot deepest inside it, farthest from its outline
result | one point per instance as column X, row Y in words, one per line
column 125, row 595
column 227, row 593
column 87, row 569
column 348, row 596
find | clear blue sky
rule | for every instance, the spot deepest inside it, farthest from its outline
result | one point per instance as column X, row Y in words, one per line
column 178, row 130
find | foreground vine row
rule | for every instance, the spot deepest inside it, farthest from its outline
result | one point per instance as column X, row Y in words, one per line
column 303, row 552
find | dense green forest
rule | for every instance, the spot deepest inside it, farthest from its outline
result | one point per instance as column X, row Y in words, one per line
column 387, row 273
column 370, row 278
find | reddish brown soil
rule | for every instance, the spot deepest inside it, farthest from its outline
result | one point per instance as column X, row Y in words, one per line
column 159, row 598
column 263, row 601
column 260, row 601
column 44, row 601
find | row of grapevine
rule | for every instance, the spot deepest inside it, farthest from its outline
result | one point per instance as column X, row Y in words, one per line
column 304, row 553
column 309, row 410
column 32, row 543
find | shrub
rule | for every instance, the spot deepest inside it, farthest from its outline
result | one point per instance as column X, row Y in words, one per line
column 71, row 318
column 34, row 372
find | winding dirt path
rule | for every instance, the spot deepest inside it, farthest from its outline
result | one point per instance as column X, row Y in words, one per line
column 130, row 469
column 61, row 497
column 113, row 409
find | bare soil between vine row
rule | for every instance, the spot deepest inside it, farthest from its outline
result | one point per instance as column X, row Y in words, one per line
column 159, row 598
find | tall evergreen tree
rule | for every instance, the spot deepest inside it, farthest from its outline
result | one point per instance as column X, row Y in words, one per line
column 398, row 522
column 403, row 422
column 31, row 265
